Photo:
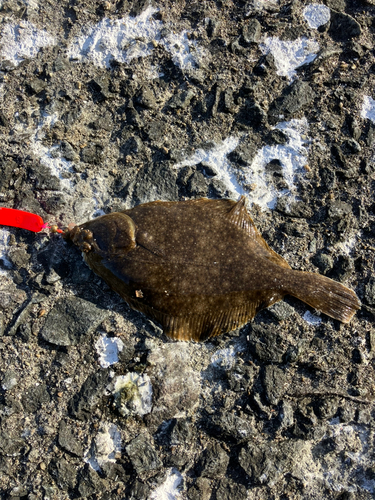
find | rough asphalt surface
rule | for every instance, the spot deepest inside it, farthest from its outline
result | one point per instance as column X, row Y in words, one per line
column 108, row 104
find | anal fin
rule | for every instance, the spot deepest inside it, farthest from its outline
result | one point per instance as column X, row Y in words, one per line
column 199, row 327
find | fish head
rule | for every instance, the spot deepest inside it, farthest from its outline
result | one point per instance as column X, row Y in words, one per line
column 107, row 235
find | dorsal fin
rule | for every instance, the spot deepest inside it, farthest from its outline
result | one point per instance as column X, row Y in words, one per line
column 239, row 216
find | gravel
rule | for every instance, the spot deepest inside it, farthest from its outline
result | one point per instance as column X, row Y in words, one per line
column 104, row 105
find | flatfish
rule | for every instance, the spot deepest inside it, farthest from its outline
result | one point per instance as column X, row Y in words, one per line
column 199, row 267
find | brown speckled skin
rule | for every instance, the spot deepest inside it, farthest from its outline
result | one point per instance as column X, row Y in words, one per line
column 199, row 267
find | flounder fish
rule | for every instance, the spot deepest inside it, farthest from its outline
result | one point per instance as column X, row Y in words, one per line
column 199, row 267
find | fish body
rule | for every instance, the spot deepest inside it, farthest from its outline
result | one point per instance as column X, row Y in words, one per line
column 199, row 267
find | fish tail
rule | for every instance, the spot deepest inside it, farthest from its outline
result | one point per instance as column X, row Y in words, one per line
column 325, row 295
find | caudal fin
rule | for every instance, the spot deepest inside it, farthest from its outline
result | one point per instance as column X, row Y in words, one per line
column 325, row 295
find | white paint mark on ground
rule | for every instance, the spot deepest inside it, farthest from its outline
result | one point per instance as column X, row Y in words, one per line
column 119, row 39
column 349, row 245
column 224, row 358
column 258, row 5
column 217, row 158
column 353, row 441
column 368, row 108
column 105, row 447
column 185, row 53
column 170, row 489
column 33, row 4
column 23, row 41
column 316, row 15
column 289, row 55
column 4, row 236
column 131, row 37
column 312, row 319
column 108, row 349
column 9, row 381
column 133, row 394
column 50, row 156
column 292, row 157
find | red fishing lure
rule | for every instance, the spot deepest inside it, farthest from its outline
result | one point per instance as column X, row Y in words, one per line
column 23, row 220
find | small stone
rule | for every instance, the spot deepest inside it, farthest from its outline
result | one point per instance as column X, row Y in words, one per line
column 326, row 408
column 19, row 257
column 18, row 492
column 182, row 99
column 244, row 154
column 155, row 181
column 52, row 277
column 10, row 445
column 89, row 482
column 251, row 31
column 230, row 490
column 265, row 65
column 256, row 461
column 214, row 462
column 201, row 490
column 354, row 128
column 36, row 85
column 139, row 490
column 338, row 5
column 131, row 145
column 229, row 104
column 207, row 169
column 93, row 153
column 265, row 345
column 34, row 398
column 351, row 146
column 229, row 427
column 370, row 135
column 339, row 209
column 370, row 292
column 276, row 137
column 364, row 416
column 68, row 440
column 197, row 185
column 146, row 98
column 252, row 115
column 285, row 418
column 71, row 320
column 295, row 209
column 274, row 383
column 281, row 311
column 212, row 26
column 63, row 473
column 68, row 152
column 4, row 122
column 324, row 262
column 99, row 88
column 83, row 403
column 9, row 380
column 294, row 98
column 181, row 432
column 343, row 27
column 143, row 456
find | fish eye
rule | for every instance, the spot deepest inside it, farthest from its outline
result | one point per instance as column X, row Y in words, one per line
column 113, row 233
